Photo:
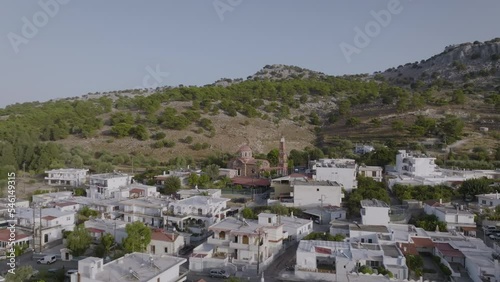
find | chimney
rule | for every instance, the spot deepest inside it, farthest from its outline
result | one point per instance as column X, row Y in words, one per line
column 440, row 201
column 164, row 173
column 291, row 214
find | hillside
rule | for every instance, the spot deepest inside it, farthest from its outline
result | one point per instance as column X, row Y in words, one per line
column 437, row 104
column 476, row 63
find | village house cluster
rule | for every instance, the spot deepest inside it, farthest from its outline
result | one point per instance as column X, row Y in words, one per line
column 221, row 237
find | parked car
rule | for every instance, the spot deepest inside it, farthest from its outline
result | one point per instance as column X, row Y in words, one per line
column 219, row 273
column 47, row 260
column 71, row 271
column 494, row 236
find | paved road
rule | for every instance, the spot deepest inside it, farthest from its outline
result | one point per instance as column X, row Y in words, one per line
column 26, row 259
column 278, row 265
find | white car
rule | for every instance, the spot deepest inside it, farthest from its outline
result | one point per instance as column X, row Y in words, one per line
column 71, row 271
column 47, row 260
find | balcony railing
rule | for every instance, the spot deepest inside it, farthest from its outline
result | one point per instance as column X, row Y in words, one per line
column 319, row 269
column 218, row 242
column 243, row 246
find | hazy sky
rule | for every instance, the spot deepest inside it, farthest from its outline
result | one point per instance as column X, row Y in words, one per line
column 76, row 47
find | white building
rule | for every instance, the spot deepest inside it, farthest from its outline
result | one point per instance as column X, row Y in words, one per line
column 131, row 267
column 374, row 212
column 228, row 172
column 98, row 227
column 375, row 172
column 200, row 210
column 239, row 240
column 102, row 186
column 340, row 261
column 342, row 171
column 46, row 198
column 315, row 193
column 453, row 216
column 326, row 214
column 165, row 243
column 183, row 175
column 20, row 238
column 297, row 228
column 67, row 177
column 413, row 164
column 110, row 208
column 488, row 200
column 146, row 210
column 363, row 149
column 53, row 223
column 187, row 193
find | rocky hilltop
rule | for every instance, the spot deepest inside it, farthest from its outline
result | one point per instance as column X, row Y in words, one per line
column 477, row 62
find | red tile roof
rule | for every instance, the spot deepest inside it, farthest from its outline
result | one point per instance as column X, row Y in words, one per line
column 249, row 181
column 160, row 235
column 421, row 242
column 321, row 250
column 448, row 251
column 432, row 203
column 95, row 230
column 65, row 204
column 49, row 217
column 408, row 249
column 137, row 190
column 5, row 235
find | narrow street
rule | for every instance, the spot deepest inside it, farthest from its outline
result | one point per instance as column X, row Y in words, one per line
column 279, row 264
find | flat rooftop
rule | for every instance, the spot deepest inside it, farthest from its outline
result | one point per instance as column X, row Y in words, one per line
column 234, row 225
column 374, row 203
column 369, row 228
column 146, row 202
column 201, row 201
column 66, row 170
column 294, row 222
column 316, row 246
column 108, row 175
column 391, row 251
column 305, row 182
column 370, row 168
column 492, row 196
column 197, row 191
column 52, row 213
column 451, row 210
column 140, row 264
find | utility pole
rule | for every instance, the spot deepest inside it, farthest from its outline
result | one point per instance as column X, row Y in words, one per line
column 258, row 254
column 34, row 227
column 41, row 228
